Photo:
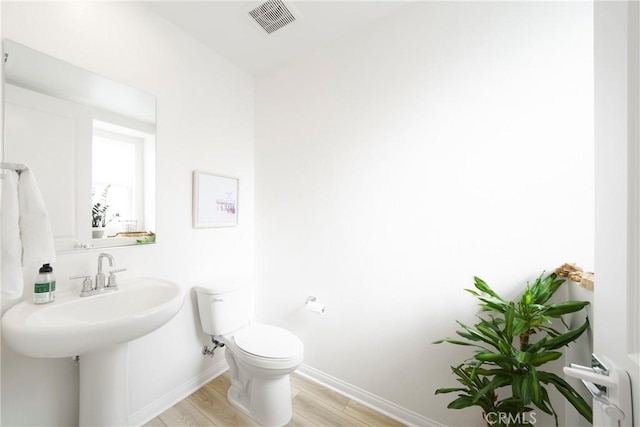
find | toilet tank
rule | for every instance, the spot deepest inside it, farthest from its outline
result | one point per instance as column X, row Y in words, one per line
column 223, row 306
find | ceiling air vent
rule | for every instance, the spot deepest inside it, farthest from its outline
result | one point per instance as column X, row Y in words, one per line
column 273, row 15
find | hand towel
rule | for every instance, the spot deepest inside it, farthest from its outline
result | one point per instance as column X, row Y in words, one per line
column 35, row 229
column 11, row 278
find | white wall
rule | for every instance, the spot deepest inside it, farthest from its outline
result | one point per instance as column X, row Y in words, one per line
column 205, row 121
column 454, row 140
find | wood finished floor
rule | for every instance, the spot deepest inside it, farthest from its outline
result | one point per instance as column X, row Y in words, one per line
column 313, row 406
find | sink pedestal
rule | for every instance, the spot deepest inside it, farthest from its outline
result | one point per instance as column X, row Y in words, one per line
column 103, row 387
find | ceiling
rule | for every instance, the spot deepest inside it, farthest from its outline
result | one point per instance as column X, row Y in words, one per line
column 225, row 27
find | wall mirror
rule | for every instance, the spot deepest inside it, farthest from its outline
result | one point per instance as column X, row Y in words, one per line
column 90, row 142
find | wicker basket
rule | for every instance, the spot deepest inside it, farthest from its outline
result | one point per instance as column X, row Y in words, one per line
column 129, row 225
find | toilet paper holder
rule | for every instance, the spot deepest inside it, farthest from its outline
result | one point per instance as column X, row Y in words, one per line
column 313, row 305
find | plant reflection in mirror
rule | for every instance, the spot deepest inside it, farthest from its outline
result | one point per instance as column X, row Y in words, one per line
column 99, row 209
column 151, row 238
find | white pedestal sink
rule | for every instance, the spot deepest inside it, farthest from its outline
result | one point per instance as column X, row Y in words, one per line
column 98, row 329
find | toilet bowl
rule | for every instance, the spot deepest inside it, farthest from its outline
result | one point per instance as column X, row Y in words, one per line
column 260, row 357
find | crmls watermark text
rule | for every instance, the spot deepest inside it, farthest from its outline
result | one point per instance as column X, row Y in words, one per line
column 505, row 418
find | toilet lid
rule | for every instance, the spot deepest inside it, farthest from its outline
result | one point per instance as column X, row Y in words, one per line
column 268, row 341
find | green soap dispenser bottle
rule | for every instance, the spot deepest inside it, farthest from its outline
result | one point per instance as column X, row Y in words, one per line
column 44, row 290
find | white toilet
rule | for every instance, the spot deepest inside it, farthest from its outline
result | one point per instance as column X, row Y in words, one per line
column 260, row 357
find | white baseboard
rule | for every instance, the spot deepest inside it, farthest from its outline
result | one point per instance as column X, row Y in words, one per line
column 160, row 405
column 377, row 403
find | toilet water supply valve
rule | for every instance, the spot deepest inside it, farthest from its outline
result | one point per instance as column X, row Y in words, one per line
column 206, row 350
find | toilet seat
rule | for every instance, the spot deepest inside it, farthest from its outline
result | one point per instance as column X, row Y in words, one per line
column 268, row 341
column 268, row 346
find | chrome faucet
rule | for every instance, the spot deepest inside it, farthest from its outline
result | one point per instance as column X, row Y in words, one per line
column 100, row 283
column 89, row 289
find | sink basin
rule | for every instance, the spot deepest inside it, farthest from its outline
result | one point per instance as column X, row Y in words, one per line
column 73, row 326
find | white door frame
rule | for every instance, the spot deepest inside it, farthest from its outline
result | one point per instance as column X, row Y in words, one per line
column 617, row 162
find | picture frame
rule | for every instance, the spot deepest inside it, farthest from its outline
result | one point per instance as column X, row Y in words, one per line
column 215, row 200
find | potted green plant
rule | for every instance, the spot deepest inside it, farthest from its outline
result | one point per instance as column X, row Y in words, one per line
column 512, row 343
column 99, row 218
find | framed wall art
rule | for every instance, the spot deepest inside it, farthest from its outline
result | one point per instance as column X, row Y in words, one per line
column 215, row 200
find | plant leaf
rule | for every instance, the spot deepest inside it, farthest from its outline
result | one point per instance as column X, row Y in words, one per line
column 535, row 385
column 509, row 316
column 488, row 332
column 547, row 356
column 557, row 310
column 562, row 339
column 474, row 335
column 452, row 341
column 487, row 356
column 542, row 403
column 525, row 389
column 497, row 382
column 569, row 393
column 523, row 357
column 461, row 402
column 483, row 287
column 449, row 390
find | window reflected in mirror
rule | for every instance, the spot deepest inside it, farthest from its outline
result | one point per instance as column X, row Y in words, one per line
column 120, row 157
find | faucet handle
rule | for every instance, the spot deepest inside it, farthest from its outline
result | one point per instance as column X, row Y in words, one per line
column 112, row 278
column 87, row 286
